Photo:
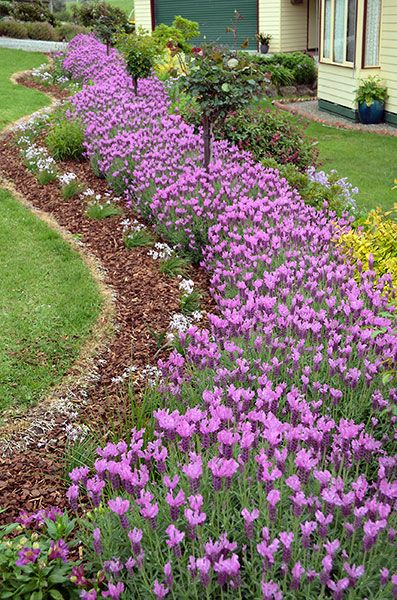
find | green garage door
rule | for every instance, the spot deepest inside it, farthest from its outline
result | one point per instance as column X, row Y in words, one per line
column 213, row 16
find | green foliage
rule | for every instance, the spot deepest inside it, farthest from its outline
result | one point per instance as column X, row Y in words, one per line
column 38, row 30
column 47, row 176
column 269, row 134
column 220, row 81
column 45, row 579
column 5, row 8
column 301, row 67
column 371, row 89
column 88, row 13
column 280, row 75
column 13, row 29
column 177, row 35
column 71, row 189
column 68, row 31
column 103, row 210
column 32, row 11
column 184, row 104
column 313, row 192
column 138, row 238
column 65, row 140
column 139, row 52
column 174, row 266
column 190, row 302
column 94, row 164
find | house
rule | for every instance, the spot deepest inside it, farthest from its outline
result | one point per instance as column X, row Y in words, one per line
column 293, row 24
column 357, row 38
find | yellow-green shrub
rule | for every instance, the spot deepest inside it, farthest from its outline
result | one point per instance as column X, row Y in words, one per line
column 377, row 237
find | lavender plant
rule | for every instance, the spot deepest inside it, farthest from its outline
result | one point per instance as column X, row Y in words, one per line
column 268, row 471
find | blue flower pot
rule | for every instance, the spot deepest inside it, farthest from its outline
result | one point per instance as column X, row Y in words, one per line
column 371, row 115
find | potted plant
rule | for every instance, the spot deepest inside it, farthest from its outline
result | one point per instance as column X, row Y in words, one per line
column 263, row 41
column 371, row 96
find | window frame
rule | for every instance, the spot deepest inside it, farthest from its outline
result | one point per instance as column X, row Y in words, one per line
column 364, row 40
column 330, row 61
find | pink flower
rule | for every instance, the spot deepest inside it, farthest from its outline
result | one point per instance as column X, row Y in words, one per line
column 120, row 507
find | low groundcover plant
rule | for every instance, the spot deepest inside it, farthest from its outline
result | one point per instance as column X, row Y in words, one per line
column 268, row 470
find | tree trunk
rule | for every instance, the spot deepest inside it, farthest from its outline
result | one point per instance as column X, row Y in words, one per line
column 135, row 80
column 207, row 136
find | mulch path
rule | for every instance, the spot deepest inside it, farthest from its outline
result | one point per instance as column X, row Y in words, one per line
column 145, row 298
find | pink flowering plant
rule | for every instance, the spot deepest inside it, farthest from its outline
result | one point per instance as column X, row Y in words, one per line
column 35, row 557
column 268, row 471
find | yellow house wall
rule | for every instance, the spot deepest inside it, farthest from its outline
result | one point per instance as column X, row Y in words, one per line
column 269, row 22
column 293, row 26
column 338, row 84
column 388, row 52
column 286, row 23
column 142, row 14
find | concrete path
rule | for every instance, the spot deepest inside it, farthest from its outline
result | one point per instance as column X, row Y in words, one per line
column 32, row 45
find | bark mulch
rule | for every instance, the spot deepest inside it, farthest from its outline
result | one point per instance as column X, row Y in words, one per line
column 145, row 300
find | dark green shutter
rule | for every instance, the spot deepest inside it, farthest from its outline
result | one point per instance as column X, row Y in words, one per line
column 213, row 16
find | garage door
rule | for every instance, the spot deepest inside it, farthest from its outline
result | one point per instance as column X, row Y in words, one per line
column 213, row 16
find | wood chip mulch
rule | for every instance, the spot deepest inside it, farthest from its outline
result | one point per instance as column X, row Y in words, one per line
column 145, row 300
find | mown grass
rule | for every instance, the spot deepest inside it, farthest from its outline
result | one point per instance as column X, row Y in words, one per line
column 368, row 160
column 48, row 299
column 16, row 100
column 48, row 304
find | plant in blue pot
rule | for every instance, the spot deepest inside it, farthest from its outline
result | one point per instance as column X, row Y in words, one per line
column 371, row 96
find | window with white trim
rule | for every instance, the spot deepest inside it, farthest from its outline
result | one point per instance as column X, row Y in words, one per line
column 372, row 33
column 339, row 31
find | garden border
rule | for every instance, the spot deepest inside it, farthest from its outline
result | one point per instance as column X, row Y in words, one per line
column 20, row 428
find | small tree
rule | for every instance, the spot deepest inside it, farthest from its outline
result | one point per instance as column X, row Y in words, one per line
column 140, row 52
column 221, row 82
column 177, row 35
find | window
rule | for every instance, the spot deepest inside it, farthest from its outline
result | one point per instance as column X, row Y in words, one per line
column 372, row 33
column 339, row 31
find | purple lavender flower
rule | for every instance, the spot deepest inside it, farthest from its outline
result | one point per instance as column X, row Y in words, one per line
column 27, row 556
column 120, row 507
column 114, row 590
column 58, row 549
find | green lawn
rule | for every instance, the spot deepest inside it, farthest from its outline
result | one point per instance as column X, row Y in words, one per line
column 48, row 299
column 48, row 303
column 368, row 160
column 17, row 101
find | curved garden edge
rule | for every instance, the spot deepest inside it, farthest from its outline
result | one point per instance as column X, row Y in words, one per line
column 20, row 427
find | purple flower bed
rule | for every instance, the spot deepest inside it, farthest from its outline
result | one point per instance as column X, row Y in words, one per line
column 270, row 470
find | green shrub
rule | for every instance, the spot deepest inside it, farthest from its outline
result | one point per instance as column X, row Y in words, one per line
column 303, row 66
column 102, row 210
column 13, row 29
column 281, row 76
column 139, row 52
column 177, row 35
column 269, row 134
column 88, row 13
column 41, row 31
column 32, row 11
column 174, row 266
column 67, row 31
column 137, row 238
column 65, row 140
column 63, row 16
column 5, row 8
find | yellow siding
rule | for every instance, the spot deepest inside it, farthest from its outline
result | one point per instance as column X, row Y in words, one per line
column 337, row 84
column 269, row 22
column 293, row 26
column 388, row 51
column 142, row 13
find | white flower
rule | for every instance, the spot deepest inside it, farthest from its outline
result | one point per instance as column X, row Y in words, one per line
column 160, row 251
column 67, row 178
column 186, row 285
